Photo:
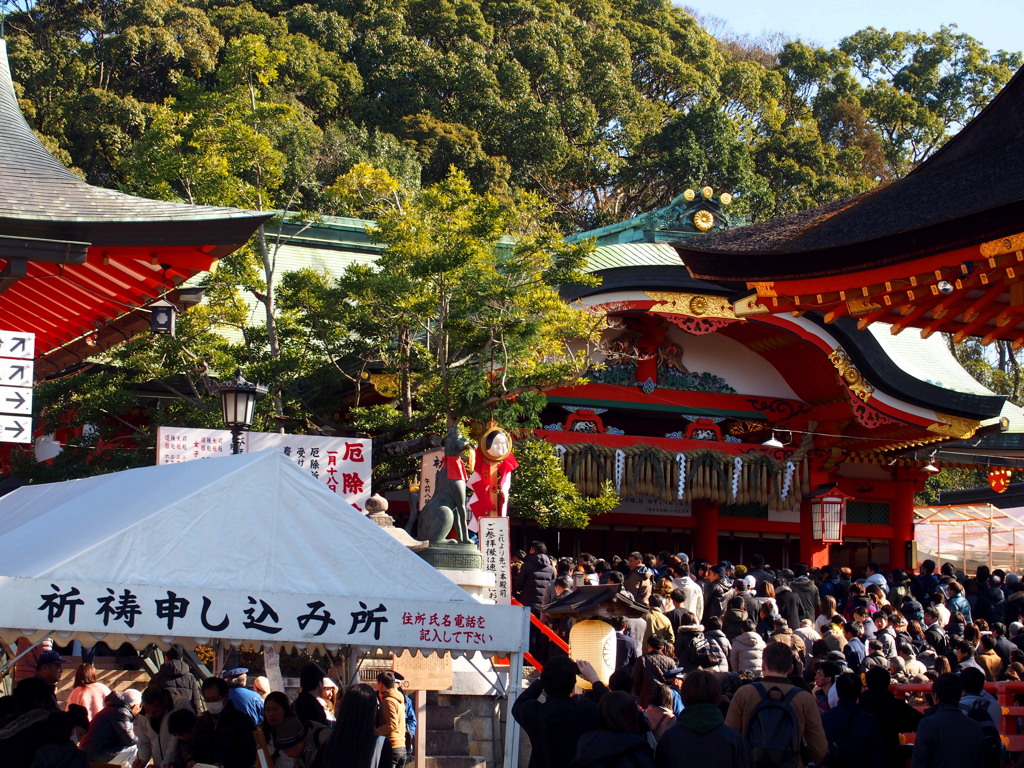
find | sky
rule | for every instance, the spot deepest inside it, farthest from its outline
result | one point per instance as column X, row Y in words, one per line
column 997, row 24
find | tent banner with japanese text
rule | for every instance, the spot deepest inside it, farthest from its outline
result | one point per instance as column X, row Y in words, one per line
column 343, row 464
column 137, row 612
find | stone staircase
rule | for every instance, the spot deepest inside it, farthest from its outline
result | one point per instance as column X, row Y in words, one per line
column 447, row 747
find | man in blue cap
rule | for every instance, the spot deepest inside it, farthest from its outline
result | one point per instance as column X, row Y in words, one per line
column 49, row 668
column 244, row 699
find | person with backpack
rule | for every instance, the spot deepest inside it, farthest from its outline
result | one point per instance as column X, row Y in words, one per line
column 982, row 707
column 692, row 648
column 779, row 721
column 946, row 738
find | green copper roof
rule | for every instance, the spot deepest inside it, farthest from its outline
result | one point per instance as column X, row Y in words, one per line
column 633, row 255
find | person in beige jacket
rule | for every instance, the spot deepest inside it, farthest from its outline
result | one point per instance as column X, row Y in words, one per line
column 391, row 717
column 778, row 665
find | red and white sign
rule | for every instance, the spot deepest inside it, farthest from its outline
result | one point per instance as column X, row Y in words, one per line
column 343, row 464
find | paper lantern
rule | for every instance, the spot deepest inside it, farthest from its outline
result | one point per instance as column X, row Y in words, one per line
column 593, row 641
column 999, row 478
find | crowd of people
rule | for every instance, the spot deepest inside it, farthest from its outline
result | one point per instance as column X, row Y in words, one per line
column 178, row 721
column 746, row 665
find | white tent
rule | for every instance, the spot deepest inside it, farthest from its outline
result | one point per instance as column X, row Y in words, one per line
column 242, row 548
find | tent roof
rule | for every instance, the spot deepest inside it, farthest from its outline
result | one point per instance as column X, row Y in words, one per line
column 254, row 524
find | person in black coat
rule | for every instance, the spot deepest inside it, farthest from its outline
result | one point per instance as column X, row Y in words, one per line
column 535, row 578
column 854, row 736
column 175, row 676
column 894, row 715
column 224, row 735
column 556, row 724
column 307, row 707
column 947, row 738
column 700, row 730
column 624, row 739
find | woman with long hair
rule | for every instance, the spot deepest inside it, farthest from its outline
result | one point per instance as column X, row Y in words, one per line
column 826, row 610
column 624, row 740
column 88, row 692
column 354, row 742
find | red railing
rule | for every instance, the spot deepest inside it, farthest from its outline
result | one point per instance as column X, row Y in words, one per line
column 1011, row 725
column 544, row 628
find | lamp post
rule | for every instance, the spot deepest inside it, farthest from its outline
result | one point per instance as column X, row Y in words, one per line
column 238, row 401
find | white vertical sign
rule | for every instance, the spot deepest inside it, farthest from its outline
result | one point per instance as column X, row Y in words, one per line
column 495, row 547
column 16, row 376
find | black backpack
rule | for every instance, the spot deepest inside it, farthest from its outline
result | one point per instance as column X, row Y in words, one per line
column 992, row 744
column 773, row 731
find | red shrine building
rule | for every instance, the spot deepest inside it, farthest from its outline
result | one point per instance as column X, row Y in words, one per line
column 785, row 388
column 80, row 262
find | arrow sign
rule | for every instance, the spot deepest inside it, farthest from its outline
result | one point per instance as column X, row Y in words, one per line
column 16, row 401
column 15, row 373
column 19, row 345
column 15, row 429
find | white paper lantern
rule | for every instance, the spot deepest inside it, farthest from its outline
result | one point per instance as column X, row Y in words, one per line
column 593, row 641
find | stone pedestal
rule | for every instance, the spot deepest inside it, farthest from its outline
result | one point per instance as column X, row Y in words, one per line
column 454, row 557
column 478, row 583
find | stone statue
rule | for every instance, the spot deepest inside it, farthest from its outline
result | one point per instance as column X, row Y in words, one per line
column 447, row 507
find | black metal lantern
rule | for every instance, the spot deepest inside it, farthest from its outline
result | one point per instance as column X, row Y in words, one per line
column 162, row 316
column 238, row 402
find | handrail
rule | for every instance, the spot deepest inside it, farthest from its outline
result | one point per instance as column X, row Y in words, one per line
column 528, row 657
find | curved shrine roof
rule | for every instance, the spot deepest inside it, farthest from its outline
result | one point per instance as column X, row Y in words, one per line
column 967, row 192
column 77, row 256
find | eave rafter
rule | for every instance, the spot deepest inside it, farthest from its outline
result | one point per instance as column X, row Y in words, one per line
column 980, row 294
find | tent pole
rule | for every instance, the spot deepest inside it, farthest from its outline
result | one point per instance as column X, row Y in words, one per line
column 963, row 530
column 515, row 685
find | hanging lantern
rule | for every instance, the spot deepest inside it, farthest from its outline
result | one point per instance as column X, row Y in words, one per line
column 999, row 478
column 593, row 641
column 828, row 510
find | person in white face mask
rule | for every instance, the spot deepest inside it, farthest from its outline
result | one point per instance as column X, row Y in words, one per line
column 224, row 735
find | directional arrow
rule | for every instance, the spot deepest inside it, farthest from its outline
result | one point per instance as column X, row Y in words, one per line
column 16, row 401
column 15, row 429
column 17, row 344
column 15, row 373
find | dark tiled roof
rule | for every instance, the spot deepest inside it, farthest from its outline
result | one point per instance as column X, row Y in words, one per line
column 970, row 189
column 604, row 600
column 41, row 198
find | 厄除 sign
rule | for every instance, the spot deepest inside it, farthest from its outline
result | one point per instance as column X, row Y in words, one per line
column 343, row 464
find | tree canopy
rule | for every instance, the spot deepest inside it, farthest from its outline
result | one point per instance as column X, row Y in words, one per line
column 603, row 109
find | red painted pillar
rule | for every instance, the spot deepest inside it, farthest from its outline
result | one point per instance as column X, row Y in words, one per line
column 705, row 533
column 901, row 515
column 812, row 552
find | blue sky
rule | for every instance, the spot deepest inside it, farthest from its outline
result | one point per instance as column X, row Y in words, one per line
column 996, row 23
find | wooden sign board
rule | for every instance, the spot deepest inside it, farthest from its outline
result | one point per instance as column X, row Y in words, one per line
column 425, row 673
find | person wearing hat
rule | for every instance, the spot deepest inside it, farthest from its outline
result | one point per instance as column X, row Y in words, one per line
column 244, row 699
column 49, row 668
column 300, row 742
column 111, row 736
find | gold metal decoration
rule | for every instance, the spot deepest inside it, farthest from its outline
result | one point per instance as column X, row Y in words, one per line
column 707, row 191
column 386, row 384
column 954, row 426
column 726, row 198
column 862, row 305
column 691, row 305
column 764, row 290
column 1002, row 245
column 853, row 378
column 496, row 444
column 703, row 220
column 689, row 194
column 749, row 305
